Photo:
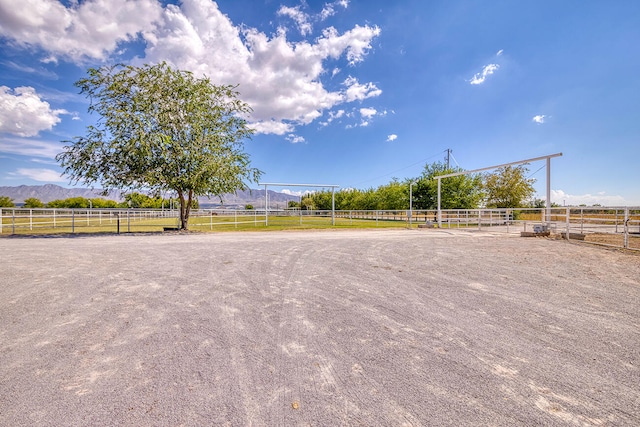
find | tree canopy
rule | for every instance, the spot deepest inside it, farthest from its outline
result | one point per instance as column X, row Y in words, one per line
column 456, row 192
column 6, row 202
column 33, row 202
column 161, row 130
column 508, row 187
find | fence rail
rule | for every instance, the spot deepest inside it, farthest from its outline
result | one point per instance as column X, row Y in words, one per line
column 616, row 227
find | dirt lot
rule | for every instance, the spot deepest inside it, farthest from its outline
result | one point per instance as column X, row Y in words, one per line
column 386, row 327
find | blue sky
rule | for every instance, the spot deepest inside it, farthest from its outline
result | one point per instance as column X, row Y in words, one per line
column 353, row 93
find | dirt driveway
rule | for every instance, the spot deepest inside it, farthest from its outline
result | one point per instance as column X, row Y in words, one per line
column 385, row 327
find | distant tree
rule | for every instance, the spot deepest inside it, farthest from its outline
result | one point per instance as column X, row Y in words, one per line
column 456, row 192
column 58, row 203
column 321, row 200
column 292, row 204
column 393, row 196
column 100, row 203
column 248, row 207
column 508, row 187
column 143, row 201
column 6, row 202
column 308, row 202
column 32, row 202
column 161, row 130
column 71, row 202
column 537, row 203
column 77, row 203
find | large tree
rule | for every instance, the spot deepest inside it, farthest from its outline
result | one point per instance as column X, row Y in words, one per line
column 509, row 187
column 161, row 130
column 456, row 192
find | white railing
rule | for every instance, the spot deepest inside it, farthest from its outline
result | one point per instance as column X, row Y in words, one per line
column 616, row 226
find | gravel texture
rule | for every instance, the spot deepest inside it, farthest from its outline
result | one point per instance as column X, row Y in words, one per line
column 385, row 327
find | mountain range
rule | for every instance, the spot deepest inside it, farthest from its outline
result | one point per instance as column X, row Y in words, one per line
column 48, row 192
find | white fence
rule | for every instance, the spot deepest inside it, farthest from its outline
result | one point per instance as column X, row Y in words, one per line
column 617, row 227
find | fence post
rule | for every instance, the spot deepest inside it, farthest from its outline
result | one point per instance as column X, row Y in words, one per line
column 581, row 220
column 568, row 221
column 479, row 219
column 13, row 221
column 30, row 219
column 0, row 220
column 626, row 227
column 235, row 218
column 73, row 223
column 128, row 221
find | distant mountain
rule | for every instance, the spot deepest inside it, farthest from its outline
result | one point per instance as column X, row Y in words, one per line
column 48, row 192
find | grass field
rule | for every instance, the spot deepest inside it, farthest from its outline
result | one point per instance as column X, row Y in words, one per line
column 66, row 224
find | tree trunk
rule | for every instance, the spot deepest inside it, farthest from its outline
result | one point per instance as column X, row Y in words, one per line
column 185, row 209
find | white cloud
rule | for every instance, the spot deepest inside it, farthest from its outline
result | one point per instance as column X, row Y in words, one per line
column 30, row 147
column 24, row 113
column 278, row 78
column 329, row 8
column 44, row 175
column 357, row 92
column 301, row 19
column 272, row 126
column 92, row 29
column 294, row 139
column 333, row 115
column 500, row 52
column 480, row 77
column 392, row 137
column 297, row 193
column 539, row 119
column 601, row 198
column 368, row 112
column 291, row 193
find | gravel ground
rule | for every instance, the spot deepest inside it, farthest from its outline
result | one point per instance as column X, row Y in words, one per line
column 385, row 327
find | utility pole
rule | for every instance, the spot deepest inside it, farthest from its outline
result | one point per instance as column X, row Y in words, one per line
column 448, row 158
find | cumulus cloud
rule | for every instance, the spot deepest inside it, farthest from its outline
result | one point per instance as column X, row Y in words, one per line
column 539, row 119
column 333, row 115
column 330, row 8
column 89, row 29
column 562, row 198
column 392, row 137
column 301, row 19
column 44, row 175
column 294, row 139
column 368, row 112
column 272, row 126
column 280, row 79
column 480, row 77
column 357, row 92
column 24, row 113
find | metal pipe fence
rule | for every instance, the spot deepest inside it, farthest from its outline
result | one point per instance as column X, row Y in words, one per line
column 615, row 226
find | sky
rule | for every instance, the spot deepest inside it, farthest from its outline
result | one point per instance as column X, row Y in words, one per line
column 352, row 92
